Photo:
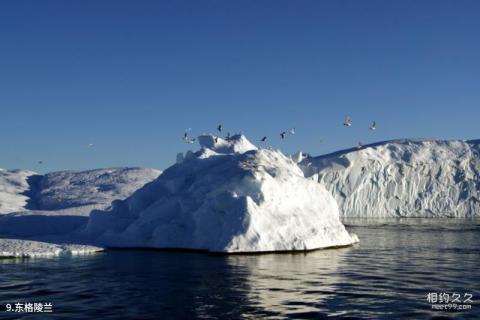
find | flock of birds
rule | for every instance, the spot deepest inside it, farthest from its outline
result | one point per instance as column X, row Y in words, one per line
column 347, row 123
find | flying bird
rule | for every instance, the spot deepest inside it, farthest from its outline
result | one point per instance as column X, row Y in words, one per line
column 283, row 135
column 264, row 139
column 373, row 126
column 190, row 141
column 292, row 131
column 219, row 128
column 89, row 145
column 347, row 122
column 40, row 161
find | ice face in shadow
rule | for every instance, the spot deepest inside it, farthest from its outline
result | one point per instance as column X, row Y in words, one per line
column 407, row 178
column 227, row 197
column 14, row 186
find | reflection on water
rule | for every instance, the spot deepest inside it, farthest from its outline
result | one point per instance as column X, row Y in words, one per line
column 387, row 275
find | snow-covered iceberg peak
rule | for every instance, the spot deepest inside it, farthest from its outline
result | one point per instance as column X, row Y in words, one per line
column 242, row 200
column 236, row 144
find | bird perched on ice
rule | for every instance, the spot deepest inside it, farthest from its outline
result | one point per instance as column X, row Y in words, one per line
column 219, row 128
column 292, row 131
column 282, row 135
column 359, row 145
column 264, row 139
column 215, row 139
column 347, row 122
column 373, row 126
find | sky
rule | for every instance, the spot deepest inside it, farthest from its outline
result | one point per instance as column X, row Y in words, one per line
column 131, row 76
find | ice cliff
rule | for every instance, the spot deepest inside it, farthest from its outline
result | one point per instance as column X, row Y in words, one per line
column 407, row 178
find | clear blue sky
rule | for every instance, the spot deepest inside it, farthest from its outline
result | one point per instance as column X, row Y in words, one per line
column 131, row 76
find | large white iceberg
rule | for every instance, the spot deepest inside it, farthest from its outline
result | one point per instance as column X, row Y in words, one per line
column 403, row 178
column 227, row 197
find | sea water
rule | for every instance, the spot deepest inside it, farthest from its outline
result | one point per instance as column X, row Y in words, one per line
column 396, row 271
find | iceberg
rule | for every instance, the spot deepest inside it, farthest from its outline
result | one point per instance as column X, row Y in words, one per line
column 228, row 197
column 80, row 191
column 402, row 178
column 39, row 214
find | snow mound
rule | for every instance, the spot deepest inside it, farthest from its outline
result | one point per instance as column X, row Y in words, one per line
column 227, row 197
column 406, row 178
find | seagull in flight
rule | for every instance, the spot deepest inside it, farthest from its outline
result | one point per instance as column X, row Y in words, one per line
column 283, row 135
column 185, row 135
column 347, row 122
column 40, row 161
column 219, row 128
column 264, row 139
column 89, row 145
column 373, row 126
column 292, row 131
column 186, row 138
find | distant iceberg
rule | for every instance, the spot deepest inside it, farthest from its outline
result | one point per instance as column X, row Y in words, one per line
column 403, row 178
column 76, row 191
column 39, row 214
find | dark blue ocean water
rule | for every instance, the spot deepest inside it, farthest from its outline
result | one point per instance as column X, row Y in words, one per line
column 387, row 276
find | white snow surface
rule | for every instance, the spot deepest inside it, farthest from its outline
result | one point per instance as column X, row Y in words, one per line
column 227, row 197
column 403, row 178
